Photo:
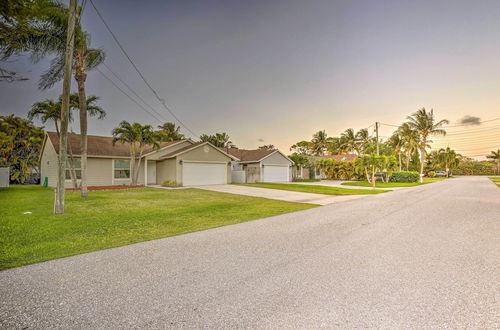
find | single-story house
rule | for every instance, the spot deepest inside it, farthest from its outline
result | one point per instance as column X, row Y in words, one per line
column 186, row 162
column 319, row 174
column 260, row 165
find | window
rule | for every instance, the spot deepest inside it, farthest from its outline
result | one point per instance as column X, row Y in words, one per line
column 122, row 169
column 77, row 165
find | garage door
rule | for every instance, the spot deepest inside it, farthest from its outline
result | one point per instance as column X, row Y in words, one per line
column 197, row 174
column 273, row 173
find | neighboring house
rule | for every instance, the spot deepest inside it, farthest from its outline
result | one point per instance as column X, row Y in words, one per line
column 260, row 165
column 186, row 162
column 319, row 174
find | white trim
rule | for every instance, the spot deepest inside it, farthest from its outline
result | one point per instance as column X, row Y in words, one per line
column 203, row 161
column 170, row 145
column 277, row 150
column 196, row 147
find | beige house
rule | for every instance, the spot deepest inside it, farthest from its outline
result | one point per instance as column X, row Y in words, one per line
column 260, row 165
column 185, row 162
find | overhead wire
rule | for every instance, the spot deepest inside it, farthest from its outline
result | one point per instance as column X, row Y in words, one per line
column 160, row 100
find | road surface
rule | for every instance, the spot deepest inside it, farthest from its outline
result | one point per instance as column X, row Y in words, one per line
column 426, row 257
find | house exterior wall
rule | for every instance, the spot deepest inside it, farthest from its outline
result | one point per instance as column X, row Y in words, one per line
column 166, row 170
column 276, row 159
column 204, row 153
column 48, row 164
column 99, row 172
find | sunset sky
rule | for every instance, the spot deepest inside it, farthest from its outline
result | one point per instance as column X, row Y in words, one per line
column 275, row 72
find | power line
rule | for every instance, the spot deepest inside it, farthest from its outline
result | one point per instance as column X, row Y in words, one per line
column 162, row 101
column 133, row 91
column 127, row 95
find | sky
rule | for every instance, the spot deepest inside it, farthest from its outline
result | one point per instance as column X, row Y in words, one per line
column 275, row 72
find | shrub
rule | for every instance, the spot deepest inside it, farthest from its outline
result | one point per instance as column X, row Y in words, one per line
column 405, row 176
column 169, row 183
column 431, row 174
column 306, row 180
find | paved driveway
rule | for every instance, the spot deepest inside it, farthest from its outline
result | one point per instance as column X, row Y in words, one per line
column 426, row 257
column 284, row 195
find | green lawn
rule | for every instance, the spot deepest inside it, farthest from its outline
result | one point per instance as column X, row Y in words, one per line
column 390, row 184
column 114, row 218
column 314, row 189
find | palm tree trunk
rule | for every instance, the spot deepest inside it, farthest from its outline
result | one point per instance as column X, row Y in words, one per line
column 422, row 161
column 136, row 179
column 399, row 158
column 132, row 164
column 373, row 176
column 72, row 172
column 80, row 77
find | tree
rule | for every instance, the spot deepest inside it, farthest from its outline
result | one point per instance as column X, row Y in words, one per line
column 169, row 132
column 25, row 27
column 50, row 110
column 302, row 148
column 267, row 147
column 348, row 141
column 138, row 137
column 362, row 138
column 396, row 142
column 495, row 155
column 448, row 158
column 319, row 143
column 333, row 145
column 410, row 141
column 424, row 124
column 20, row 144
column 220, row 140
column 368, row 165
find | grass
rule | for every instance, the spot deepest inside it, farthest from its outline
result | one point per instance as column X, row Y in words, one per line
column 109, row 219
column 380, row 184
column 495, row 179
column 314, row 189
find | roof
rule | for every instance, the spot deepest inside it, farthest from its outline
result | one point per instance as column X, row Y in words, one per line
column 101, row 146
column 249, row 155
column 340, row 157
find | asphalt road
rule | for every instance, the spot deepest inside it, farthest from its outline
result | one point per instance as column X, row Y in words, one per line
column 426, row 257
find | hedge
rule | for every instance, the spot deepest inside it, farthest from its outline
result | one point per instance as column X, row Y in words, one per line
column 405, row 176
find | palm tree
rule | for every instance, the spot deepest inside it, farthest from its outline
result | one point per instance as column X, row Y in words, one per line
column 319, row 143
column 138, row 137
column 47, row 110
column 424, row 123
column 362, row 139
column 410, row 142
column 170, row 132
column 396, row 142
column 348, row 141
column 495, row 155
column 220, row 140
column 448, row 158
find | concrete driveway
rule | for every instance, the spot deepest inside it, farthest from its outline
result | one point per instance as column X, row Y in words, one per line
column 284, row 195
column 421, row 258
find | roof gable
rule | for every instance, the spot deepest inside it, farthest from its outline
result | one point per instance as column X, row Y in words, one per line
column 249, row 155
column 194, row 146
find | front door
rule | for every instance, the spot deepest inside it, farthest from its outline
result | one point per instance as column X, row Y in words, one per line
column 151, row 172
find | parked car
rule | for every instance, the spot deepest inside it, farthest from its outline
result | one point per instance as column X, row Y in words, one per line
column 441, row 174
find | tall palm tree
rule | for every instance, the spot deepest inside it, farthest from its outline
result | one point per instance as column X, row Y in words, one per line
column 170, row 132
column 319, row 143
column 47, row 110
column 410, row 142
column 495, row 155
column 424, row 123
column 362, row 139
column 138, row 137
column 220, row 140
column 333, row 145
column 348, row 141
column 396, row 142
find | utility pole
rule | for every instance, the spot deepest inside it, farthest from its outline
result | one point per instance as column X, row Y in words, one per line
column 376, row 134
column 63, row 137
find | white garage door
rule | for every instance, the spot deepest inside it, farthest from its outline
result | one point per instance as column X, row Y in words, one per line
column 197, row 174
column 274, row 173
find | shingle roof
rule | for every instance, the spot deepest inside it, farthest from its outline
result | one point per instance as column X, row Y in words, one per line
column 99, row 145
column 341, row 157
column 248, row 155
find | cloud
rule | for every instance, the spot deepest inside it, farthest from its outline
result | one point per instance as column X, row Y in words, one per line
column 260, row 140
column 470, row 120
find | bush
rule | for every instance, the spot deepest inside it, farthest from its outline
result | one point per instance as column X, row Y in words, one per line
column 306, row 180
column 405, row 176
column 431, row 174
column 170, row 183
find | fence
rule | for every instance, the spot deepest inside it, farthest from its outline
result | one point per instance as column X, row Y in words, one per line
column 4, row 177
